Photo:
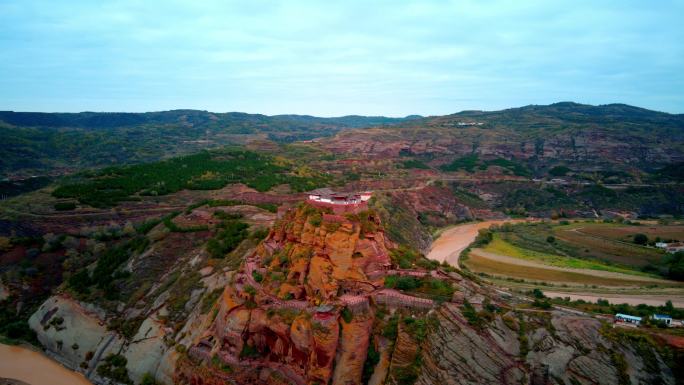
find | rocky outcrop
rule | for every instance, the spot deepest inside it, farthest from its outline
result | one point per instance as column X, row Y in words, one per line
column 74, row 333
column 288, row 320
column 322, row 251
column 352, row 350
column 560, row 348
column 407, row 213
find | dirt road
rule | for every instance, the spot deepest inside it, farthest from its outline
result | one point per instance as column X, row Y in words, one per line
column 34, row 368
column 631, row 299
column 454, row 240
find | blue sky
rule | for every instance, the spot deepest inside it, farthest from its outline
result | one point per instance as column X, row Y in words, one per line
column 331, row 58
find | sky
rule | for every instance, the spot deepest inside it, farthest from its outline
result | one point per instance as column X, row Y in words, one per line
column 333, row 58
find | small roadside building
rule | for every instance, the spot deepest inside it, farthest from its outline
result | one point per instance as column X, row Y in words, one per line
column 626, row 318
column 662, row 318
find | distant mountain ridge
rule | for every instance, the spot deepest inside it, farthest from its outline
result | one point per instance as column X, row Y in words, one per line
column 584, row 137
column 38, row 143
column 93, row 120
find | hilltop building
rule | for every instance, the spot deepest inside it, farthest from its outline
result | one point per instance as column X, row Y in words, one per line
column 340, row 202
column 326, row 195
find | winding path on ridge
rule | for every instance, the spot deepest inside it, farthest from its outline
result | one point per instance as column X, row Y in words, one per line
column 409, row 300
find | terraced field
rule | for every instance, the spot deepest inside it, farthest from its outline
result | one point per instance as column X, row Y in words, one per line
column 612, row 243
column 626, row 233
column 580, row 254
column 499, row 246
column 506, row 267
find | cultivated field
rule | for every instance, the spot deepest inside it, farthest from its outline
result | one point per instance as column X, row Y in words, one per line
column 584, row 258
column 503, row 266
column 613, row 243
column 626, row 233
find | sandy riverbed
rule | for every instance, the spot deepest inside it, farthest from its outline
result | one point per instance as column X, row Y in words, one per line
column 453, row 241
column 35, row 369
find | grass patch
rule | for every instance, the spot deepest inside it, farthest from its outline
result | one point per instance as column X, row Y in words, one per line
column 480, row 264
column 500, row 246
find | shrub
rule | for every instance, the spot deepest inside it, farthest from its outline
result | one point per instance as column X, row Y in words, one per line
column 640, row 239
column 148, row 379
column 347, row 315
column 522, row 337
column 413, row 163
column 65, row 206
column 257, row 276
column 209, row 300
column 538, row 294
column 316, row 219
column 391, row 328
column 470, row 314
column 250, row 290
column 249, row 351
column 372, row 359
column 675, row 268
column 114, row 367
column 559, row 171
column 405, row 256
column 542, row 304
column 228, row 238
column 402, row 283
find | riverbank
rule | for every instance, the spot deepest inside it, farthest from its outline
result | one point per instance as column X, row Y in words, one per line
column 34, row 368
column 454, row 240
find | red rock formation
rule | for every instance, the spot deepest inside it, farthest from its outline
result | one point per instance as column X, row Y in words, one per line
column 277, row 325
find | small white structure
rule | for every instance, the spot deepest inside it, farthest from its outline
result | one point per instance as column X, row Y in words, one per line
column 674, row 247
column 626, row 318
column 326, row 195
column 663, row 318
column 671, row 247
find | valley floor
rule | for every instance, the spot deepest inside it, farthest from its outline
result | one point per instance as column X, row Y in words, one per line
column 455, row 239
column 520, row 274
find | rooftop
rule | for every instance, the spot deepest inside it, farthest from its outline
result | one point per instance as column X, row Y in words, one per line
column 627, row 316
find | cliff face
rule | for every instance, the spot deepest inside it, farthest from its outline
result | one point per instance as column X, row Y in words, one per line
column 538, row 348
column 408, row 213
column 283, row 315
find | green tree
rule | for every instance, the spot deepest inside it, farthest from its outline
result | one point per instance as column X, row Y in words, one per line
column 640, row 239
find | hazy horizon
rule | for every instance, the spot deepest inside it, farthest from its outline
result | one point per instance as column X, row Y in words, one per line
column 335, row 59
column 327, row 116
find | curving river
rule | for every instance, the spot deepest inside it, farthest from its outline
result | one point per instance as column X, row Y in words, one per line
column 33, row 368
column 454, row 240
